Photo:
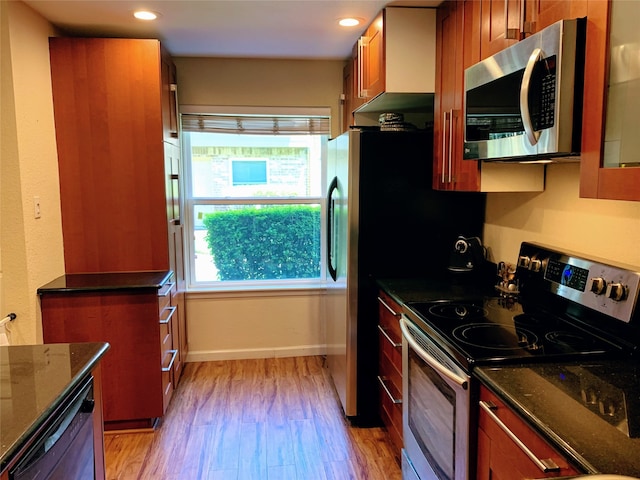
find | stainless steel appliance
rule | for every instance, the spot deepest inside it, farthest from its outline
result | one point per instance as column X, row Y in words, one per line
column 379, row 184
column 525, row 102
column 64, row 450
column 569, row 307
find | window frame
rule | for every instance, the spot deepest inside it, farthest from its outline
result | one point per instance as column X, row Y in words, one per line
column 190, row 201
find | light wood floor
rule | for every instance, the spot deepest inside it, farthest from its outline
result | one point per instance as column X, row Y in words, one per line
column 266, row 419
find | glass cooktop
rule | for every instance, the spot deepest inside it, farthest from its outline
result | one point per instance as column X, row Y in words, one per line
column 497, row 329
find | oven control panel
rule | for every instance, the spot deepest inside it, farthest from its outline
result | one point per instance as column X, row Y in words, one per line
column 594, row 283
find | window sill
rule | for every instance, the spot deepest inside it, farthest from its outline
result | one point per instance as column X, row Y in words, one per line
column 281, row 290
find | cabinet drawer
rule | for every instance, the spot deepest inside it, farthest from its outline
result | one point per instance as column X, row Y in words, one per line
column 389, row 315
column 507, row 459
column 391, row 413
column 165, row 294
column 389, row 330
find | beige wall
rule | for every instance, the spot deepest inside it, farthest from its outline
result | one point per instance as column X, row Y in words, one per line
column 603, row 228
column 31, row 252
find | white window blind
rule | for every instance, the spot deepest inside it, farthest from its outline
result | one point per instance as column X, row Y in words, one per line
column 256, row 124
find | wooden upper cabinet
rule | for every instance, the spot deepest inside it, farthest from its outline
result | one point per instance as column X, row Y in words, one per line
column 451, row 172
column 395, row 54
column 539, row 14
column 505, row 22
column 501, row 25
column 610, row 168
column 170, row 128
column 371, row 57
column 108, row 108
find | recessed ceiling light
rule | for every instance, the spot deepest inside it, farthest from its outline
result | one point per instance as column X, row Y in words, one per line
column 145, row 15
column 349, row 22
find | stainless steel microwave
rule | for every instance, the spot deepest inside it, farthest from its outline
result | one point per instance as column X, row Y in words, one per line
column 525, row 102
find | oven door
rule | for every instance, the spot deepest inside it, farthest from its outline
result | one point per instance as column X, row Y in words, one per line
column 435, row 409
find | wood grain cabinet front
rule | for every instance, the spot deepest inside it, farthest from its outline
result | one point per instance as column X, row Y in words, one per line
column 144, row 364
column 510, row 448
column 390, row 367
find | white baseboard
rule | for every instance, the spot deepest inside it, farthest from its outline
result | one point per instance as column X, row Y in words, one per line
column 297, row 351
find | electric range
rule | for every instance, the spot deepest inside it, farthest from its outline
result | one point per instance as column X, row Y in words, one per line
column 562, row 308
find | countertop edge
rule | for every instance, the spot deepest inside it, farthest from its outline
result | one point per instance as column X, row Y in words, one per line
column 57, row 286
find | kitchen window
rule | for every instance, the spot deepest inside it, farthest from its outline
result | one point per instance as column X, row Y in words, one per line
column 254, row 199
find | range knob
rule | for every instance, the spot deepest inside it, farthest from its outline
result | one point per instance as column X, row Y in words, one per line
column 524, row 261
column 535, row 265
column 607, row 407
column 598, row 285
column 617, row 291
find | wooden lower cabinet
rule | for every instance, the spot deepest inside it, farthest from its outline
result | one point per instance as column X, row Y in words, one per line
column 500, row 457
column 141, row 369
column 390, row 367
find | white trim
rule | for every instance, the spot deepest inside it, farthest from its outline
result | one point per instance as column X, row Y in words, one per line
column 280, row 352
column 245, row 291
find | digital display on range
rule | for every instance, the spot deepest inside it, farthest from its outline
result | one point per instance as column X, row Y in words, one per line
column 565, row 274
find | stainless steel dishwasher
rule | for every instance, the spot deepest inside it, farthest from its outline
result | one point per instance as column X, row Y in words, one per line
column 64, row 449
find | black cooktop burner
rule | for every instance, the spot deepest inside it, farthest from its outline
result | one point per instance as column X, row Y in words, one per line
column 496, row 336
column 491, row 329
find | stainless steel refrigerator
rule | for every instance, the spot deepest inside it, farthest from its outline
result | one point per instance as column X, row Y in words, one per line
column 383, row 221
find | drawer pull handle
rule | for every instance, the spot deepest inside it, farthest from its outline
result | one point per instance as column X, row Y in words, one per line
column 386, row 389
column 174, row 354
column 171, row 310
column 546, row 465
column 386, row 335
column 388, row 307
column 164, row 290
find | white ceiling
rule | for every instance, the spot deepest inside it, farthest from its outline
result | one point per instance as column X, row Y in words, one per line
column 225, row 28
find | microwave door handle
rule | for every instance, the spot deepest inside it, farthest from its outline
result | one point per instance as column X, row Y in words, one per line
column 432, row 362
column 532, row 135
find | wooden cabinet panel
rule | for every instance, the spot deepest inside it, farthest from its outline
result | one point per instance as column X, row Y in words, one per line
column 453, row 19
column 596, row 180
column 499, row 457
column 131, row 375
column 372, row 59
column 501, row 25
column 108, row 117
column 390, row 367
column 540, row 14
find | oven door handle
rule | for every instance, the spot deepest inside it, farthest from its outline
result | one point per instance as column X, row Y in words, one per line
column 432, row 362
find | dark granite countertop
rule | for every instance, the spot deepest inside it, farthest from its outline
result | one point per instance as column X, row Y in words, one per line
column 97, row 282
column 540, row 395
column 34, row 380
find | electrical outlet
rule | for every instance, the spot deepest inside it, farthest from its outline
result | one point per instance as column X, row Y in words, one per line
column 36, row 207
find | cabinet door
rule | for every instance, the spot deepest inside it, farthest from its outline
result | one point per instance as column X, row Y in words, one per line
column 501, row 25
column 539, row 14
column 609, row 162
column 451, row 172
column 169, row 99
column 372, row 59
column 131, row 375
column 108, row 115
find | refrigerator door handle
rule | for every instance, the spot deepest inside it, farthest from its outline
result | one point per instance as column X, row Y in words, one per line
column 330, row 224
